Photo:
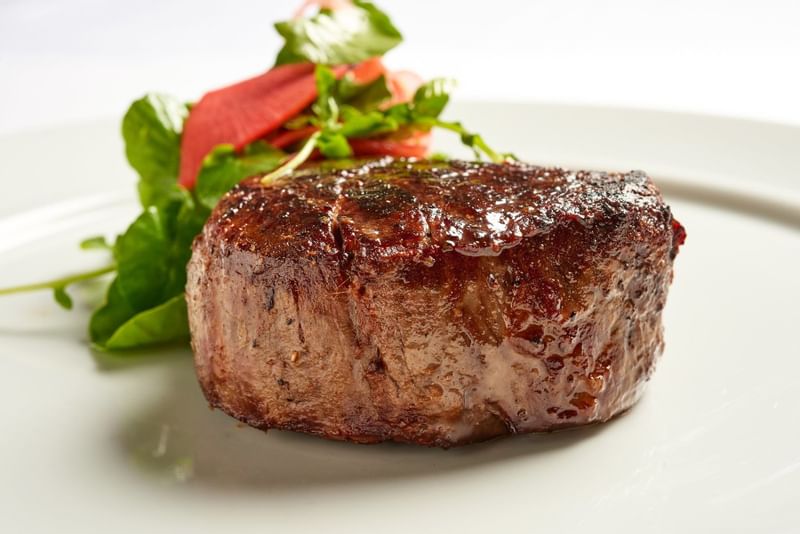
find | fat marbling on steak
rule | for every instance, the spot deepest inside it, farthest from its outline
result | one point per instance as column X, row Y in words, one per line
column 431, row 303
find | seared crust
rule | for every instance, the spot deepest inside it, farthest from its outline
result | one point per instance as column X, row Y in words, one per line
column 431, row 303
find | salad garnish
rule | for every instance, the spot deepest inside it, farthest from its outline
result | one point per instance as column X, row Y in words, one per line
column 328, row 96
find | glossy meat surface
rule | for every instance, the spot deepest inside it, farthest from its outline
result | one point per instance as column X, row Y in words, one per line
column 431, row 303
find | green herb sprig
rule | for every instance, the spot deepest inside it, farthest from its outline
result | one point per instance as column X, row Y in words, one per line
column 59, row 285
column 339, row 120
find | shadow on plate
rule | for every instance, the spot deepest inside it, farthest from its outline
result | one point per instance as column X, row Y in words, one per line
column 776, row 210
column 176, row 438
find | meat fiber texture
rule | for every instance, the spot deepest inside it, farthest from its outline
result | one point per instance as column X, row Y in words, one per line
column 431, row 303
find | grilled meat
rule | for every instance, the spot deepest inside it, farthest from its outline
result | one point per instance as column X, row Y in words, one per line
column 431, row 303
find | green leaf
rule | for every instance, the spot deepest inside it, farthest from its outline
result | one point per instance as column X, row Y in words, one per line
column 152, row 130
column 357, row 124
column 223, row 169
column 325, row 108
column 110, row 316
column 333, row 94
column 340, row 120
column 159, row 191
column 152, row 254
column 432, row 97
column 63, row 299
column 190, row 221
column 401, row 114
column 151, row 257
column 334, row 145
column 348, row 35
column 425, row 107
column 95, row 243
column 363, row 96
column 144, row 262
column 161, row 324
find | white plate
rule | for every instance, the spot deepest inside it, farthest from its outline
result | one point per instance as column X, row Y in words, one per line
column 91, row 444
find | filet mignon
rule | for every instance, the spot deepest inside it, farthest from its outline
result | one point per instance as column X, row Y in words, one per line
column 431, row 303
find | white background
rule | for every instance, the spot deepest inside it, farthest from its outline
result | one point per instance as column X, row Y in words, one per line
column 68, row 60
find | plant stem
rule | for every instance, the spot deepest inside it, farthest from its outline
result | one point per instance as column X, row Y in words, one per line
column 296, row 160
column 476, row 140
column 58, row 282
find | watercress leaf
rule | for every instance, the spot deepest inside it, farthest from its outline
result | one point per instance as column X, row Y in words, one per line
column 432, row 97
column 334, row 145
column 110, row 316
column 325, row 80
column 363, row 96
column 159, row 191
column 400, row 113
column 143, row 256
column 191, row 220
column 164, row 323
column 381, row 22
column 152, row 130
column 151, row 259
column 348, row 35
column 421, row 113
column 189, row 224
column 223, row 169
column 325, row 108
column 357, row 124
column 95, row 243
column 63, row 299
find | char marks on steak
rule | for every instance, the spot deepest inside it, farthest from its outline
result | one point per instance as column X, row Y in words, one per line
column 431, row 303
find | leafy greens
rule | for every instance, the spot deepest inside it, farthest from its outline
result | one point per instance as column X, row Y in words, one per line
column 339, row 120
column 340, row 37
column 152, row 130
column 145, row 303
column 151, row 255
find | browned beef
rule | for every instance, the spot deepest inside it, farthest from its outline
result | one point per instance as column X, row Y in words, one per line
column 431, row 303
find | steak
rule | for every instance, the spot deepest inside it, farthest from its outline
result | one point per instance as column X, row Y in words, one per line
column 431, row 303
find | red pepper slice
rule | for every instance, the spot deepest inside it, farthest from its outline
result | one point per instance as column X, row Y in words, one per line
column 284, row 138
column 244, row 112
column 414, row 146
column 252, row 109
